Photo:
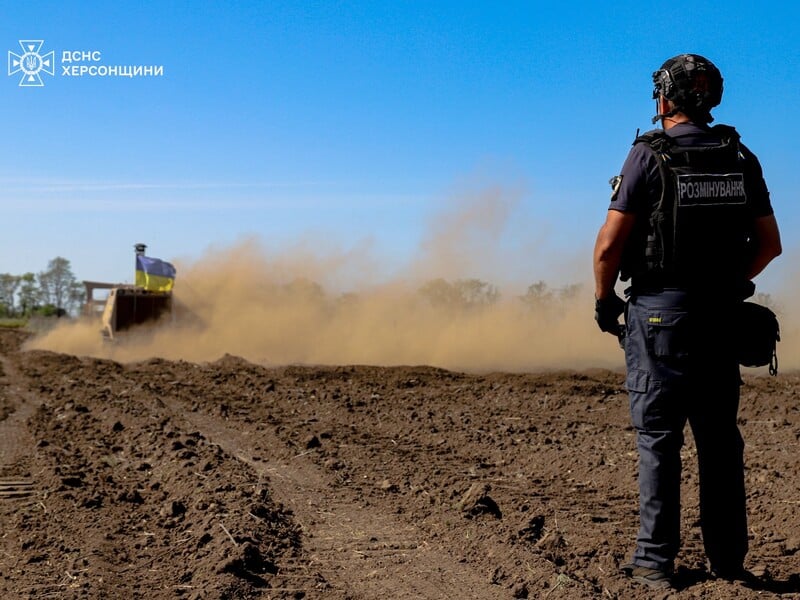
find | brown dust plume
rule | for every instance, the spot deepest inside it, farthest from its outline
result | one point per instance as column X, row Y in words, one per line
column 456, row 305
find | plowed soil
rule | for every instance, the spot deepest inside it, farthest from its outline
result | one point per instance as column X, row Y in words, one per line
column 230, row 480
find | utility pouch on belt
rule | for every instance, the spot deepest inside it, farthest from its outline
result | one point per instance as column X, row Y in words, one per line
column 758, row 333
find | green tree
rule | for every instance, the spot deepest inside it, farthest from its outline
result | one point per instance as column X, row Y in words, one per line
column 58, row 286
column 29, row 296
column 8, row 290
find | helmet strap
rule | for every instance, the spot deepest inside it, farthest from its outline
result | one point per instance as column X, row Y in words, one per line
column 661, row 116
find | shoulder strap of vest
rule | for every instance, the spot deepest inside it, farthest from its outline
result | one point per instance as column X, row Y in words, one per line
column 729, row 137
column 663, row 146
column 656, row 139
column 725, row 132
column 662, row 212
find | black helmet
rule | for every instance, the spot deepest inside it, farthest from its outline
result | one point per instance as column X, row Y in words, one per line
column 692, row 83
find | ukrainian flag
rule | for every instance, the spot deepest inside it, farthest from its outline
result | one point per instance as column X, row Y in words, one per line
column 154, row 274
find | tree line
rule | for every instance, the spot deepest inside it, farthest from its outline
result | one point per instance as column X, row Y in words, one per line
column 475, row 293
column 52, row 292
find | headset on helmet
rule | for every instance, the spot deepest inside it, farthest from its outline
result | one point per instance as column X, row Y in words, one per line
column 692, row 83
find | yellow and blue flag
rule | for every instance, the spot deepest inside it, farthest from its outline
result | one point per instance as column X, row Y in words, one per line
column 154, row 274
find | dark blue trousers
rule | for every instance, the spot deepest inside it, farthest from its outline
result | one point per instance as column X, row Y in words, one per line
column 682, row 367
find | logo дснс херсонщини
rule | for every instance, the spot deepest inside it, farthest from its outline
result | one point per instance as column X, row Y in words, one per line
column 30, row 63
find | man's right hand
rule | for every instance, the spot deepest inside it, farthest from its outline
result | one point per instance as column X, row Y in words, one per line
column 607, row 312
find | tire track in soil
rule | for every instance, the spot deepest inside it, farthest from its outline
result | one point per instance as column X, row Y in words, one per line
column 101, row 539
column 362, row 553
column 16, row 443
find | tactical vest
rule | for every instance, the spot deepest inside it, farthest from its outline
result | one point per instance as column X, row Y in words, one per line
column 697, row 233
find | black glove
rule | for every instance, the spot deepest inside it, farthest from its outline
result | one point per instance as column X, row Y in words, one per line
column 607, row 312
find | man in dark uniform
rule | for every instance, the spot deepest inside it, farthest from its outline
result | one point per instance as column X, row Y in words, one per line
column 689, row 225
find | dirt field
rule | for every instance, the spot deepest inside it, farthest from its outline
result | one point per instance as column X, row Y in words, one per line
column 229, row 480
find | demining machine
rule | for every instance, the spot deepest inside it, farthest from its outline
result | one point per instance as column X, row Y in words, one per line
column 127, row 306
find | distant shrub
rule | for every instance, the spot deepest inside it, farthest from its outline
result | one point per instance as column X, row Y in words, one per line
column 459, row 294
column 13, row 323
column 540, row 296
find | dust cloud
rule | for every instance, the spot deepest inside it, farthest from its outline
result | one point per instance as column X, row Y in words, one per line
column 785, row 303
column 461, row 303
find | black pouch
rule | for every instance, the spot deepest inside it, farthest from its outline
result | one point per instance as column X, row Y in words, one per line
column 758, row 333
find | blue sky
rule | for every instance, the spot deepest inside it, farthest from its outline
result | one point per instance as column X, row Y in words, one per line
column 346, row 122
